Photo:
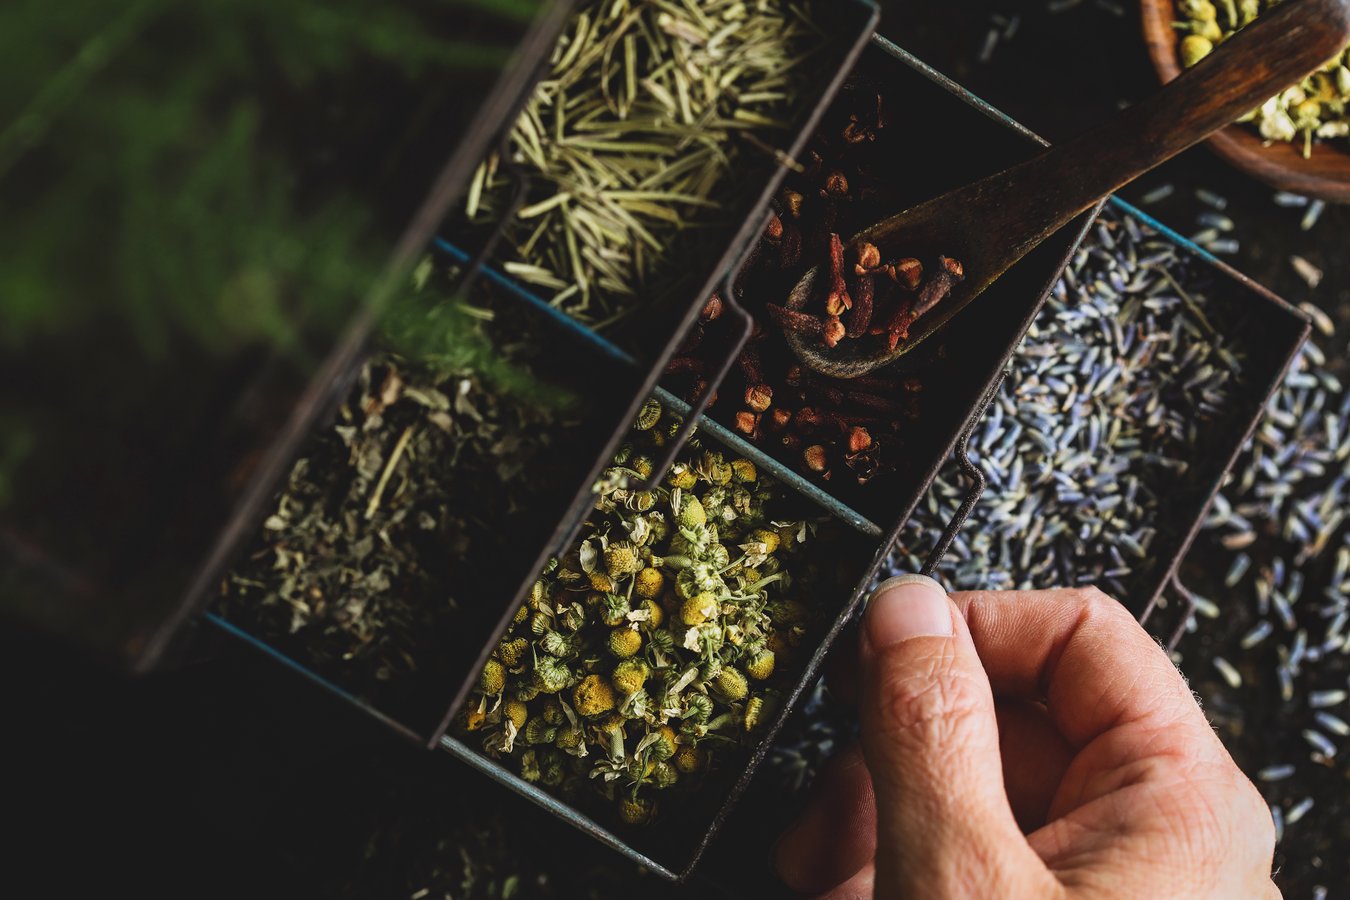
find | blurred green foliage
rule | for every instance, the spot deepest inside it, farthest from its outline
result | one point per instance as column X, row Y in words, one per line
column 147, row 170
column 190, row 186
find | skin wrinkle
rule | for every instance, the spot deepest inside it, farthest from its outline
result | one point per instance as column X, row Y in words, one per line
column 926, row 709
column 1121, row 847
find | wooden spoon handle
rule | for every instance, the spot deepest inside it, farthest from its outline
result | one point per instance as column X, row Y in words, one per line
column 1253, row 65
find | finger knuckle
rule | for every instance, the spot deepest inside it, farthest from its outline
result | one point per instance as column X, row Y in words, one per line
column 1094, row 599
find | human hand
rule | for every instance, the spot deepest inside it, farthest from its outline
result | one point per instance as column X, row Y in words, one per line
column 1025, row 744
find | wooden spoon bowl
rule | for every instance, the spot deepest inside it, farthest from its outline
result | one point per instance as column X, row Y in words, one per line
column 1279, row 163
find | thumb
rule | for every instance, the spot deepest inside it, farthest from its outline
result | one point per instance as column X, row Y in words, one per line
column 944, row 825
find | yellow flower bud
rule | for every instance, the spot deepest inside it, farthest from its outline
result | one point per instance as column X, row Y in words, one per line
column 635, row 812
column 699, row 608
column 760, row 666
column 754, row 710
column 692, row 514
column 493, row 677
column 665, row 747
column 682, row 477
column 1195, row 47
column 624, row 642
column 731, row 683
column 657, row 614
column 649, row 583
column 630, row 675
column 516, row 711
column 690, row 759
column 764, row 536
column 569, row 738
column 642, row 465
column 620, row 560
column 513, row 651
column 593, row 696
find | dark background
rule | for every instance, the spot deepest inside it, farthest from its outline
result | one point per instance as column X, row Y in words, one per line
column 228, row 776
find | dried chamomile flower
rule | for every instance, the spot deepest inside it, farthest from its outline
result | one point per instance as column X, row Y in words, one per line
column 648, row 416
column 664, row 775
column 624, row 642
column 732, row 684
column 630, row 675
column 649, row 583
column 760, row 666
column 682, row 476
column 1314, row 108
column 551, row 675
column 635, row 812
column 516, row 711
column 699, row 608
column 492, row 680
column 620, row 559
column 754, row 713
column 637, row 656
column 593, row 696
column 513, row 651
column 690, row 760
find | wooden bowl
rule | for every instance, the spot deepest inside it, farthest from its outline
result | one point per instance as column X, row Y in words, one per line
column 1280, row 163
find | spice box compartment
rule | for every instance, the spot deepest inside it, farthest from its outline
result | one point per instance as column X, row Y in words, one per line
column 931, row 395
column 1264, row 332
column 824, row 570
column 386, row 560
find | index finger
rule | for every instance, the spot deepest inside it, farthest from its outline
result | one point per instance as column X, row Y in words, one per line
column 1084, row 655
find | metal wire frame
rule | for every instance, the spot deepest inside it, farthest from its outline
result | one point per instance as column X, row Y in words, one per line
column 978, row 482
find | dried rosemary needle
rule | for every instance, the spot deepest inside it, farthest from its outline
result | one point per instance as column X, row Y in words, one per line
column 631, row 142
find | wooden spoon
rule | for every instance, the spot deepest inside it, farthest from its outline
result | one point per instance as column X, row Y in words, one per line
column 992, row 223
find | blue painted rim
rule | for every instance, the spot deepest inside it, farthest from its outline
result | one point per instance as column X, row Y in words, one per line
column 514, row 288
column 268, row 650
